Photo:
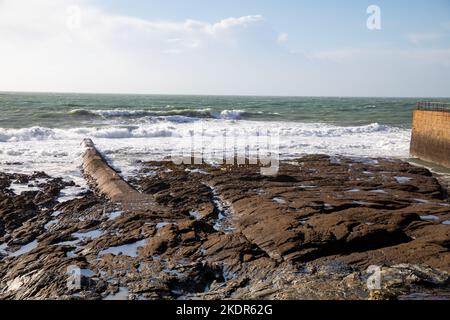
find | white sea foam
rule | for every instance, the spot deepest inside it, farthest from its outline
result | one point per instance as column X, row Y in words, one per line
column 212, row 127
column 232, row 114
column 26, row 134
column 58, row 151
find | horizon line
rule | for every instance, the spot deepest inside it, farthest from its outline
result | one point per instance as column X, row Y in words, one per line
column 217, row 95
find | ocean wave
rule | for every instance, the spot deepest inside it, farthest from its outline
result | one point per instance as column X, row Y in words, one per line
column 319, row 130
column 26, row 134
column 209, row 128
column 232, row 114
column 58, row 152
column 127, row 113
column 82, row 112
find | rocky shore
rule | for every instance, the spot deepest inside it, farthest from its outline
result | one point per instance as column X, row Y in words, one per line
column 323, row 228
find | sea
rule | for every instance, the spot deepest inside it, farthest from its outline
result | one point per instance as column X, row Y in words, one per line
column 44, row 131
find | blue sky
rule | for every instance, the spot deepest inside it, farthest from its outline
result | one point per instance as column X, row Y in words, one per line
column 260, row 47
column 319, row 24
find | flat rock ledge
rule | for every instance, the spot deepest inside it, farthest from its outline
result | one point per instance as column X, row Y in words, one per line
column 323, row 228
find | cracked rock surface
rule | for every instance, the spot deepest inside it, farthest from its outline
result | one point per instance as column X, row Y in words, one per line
column 323, row 228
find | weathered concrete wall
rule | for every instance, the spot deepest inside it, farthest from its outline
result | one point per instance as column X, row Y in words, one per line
column 430, row 139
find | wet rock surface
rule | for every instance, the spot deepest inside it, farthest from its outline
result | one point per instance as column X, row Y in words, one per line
column 323, row 228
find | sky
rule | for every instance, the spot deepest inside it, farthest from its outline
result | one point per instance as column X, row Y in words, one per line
column 246, row 47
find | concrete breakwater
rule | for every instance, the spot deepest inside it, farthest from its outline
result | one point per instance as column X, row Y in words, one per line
column 430, row 139
column 107, row 182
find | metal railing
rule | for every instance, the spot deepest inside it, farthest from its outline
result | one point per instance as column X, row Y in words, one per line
column 433, row 106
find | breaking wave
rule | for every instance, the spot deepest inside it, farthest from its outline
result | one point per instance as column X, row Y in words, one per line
column 184, row 128
column 57, row 151
column 193, row 113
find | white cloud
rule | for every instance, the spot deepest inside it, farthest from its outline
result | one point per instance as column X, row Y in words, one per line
column 421, row 37
column 45, row 20
column 439, row 57
column 283, row 38
column 44, row 48
column 71, row 45
column 337, row 55
column 233, row 22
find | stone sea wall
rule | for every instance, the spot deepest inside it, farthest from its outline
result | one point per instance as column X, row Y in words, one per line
column 431, row 136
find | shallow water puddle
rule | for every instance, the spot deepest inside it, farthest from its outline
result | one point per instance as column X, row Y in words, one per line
column 446, row 222
column 3, row 248
column 200, row 171
column 279, row 200
column 163, row 224
column 89, row 235
column 421, row 200
column 68, row 243
column 71, row 254
column 222, row 223
column 18, row 188
column 122, row 294
column 56, row 213
column 130, row 249
column 70, row 193
column 402, row 180
column 87, row 273
column 25, row 249
column 224, row 212
column 173, row 272
column 258, row 191
column 114, row 215
column 51, row 223
column 195, row 214
column 335, row 160
column 305, row 187
column 304, row 221
column 366, row 161
column 149, row 173
column 378, row 191
column 364, row 203
column 430, row 218
column 94, row 234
